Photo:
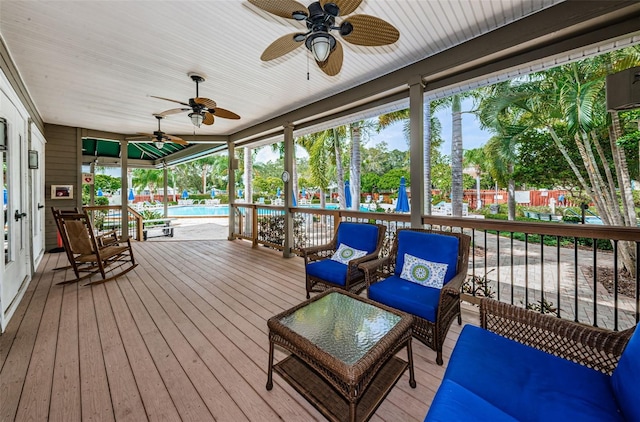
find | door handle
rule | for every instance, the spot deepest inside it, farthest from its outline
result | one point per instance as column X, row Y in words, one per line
column 40, row 206
column 19, row 215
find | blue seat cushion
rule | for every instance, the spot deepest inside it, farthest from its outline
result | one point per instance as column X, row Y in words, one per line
column 329, row 270
column 360, row 236
column 527, row 383
column 626, row 379
column 455, row 403
column 429, row 246
column 407, row 296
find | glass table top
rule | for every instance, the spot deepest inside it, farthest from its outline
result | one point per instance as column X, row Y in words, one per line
column 343, row 327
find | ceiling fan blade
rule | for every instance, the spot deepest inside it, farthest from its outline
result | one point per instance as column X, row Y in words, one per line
column 208, row 103
column 208, row 118
column 173, row 111
column 169, row 99
column 370, row 31
column 280, row 47
column 225, row 114
column 282, row 8
column 333, row 64
column 345, row 6
column 176, row 140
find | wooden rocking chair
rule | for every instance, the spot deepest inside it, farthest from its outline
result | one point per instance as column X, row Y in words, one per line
column 91, row 254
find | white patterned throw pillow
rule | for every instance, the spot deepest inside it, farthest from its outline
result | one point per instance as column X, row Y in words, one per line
column 345, row 253
column 423, row 272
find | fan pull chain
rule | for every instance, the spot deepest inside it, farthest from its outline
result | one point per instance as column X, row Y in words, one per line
column 308, row 67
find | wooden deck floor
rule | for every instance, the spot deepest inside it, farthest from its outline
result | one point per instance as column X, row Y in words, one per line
column 182, row 337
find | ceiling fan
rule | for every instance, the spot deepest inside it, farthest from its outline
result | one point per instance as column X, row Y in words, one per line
column 201, row 110
column 158, row 137
column 320, row 18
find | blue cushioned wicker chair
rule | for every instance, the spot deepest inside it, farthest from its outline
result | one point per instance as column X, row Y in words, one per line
column 434, row 309
column 322, row 272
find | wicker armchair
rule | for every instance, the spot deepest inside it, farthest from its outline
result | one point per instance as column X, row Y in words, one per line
column 433, row 310
column 321, row 272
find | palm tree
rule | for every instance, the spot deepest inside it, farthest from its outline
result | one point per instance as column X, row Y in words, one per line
column 147, row 178
column 568, row 102
column 319, row 160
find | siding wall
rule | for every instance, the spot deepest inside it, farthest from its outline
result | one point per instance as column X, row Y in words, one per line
column 61, row 168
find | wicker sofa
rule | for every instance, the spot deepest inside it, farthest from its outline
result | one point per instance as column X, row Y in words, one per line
column 539, row 368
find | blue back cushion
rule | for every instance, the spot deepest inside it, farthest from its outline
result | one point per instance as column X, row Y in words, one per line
column 430, row 246
column 360, row 236
column 626, row 379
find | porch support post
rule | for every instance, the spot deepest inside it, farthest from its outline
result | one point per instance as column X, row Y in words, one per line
column 288, row 194
column 416, row 129
column 165, row 187
column 92, row 191
column 231, row 186
column 124, row 206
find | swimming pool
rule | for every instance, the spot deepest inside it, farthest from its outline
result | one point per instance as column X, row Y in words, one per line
column 221, row 210
column 198, row 210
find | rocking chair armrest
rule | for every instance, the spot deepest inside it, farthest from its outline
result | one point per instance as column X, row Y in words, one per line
column 103, row 239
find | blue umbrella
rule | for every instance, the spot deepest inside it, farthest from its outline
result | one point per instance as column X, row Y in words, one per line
column 402, row 204
column 347, row 194
column 239, row 193
column 131, row 195
column 304, row 193
column 294, row 202
column 4, row 197
column 185, row 194
column 213, row 192
column 278, row 192
column 100, row 192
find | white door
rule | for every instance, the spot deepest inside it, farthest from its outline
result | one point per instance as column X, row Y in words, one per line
column 37, row 211
column 15, row 265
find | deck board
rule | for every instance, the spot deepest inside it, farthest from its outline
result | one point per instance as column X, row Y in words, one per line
column 181, row 337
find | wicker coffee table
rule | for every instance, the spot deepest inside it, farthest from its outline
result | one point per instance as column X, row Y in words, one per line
column 342, row 353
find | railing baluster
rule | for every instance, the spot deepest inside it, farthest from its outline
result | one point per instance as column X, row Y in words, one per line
column 615, row 285
column 512, row 269
column 558, row 275
column 595, row 282
column 542, row 303
column 526, row 270
column 575, row 276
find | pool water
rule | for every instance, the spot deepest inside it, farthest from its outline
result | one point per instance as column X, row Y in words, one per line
column 219, row 210
column 198, row 210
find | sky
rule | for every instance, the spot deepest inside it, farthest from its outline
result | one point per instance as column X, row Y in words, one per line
column 472, row 135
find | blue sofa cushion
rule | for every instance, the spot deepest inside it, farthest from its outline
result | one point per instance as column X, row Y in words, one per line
column 329, row 270
column 359, row 236
column 456, row 403
column 407, row 296
column 529, row 384
column 430, row 246
column 626, row 379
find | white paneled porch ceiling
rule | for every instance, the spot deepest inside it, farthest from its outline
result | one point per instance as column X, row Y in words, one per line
column 95, row 64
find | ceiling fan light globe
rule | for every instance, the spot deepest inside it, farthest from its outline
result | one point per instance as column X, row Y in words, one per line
column 158, row 144
column 321, row 47
column 299, row 15
column 196, row 119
